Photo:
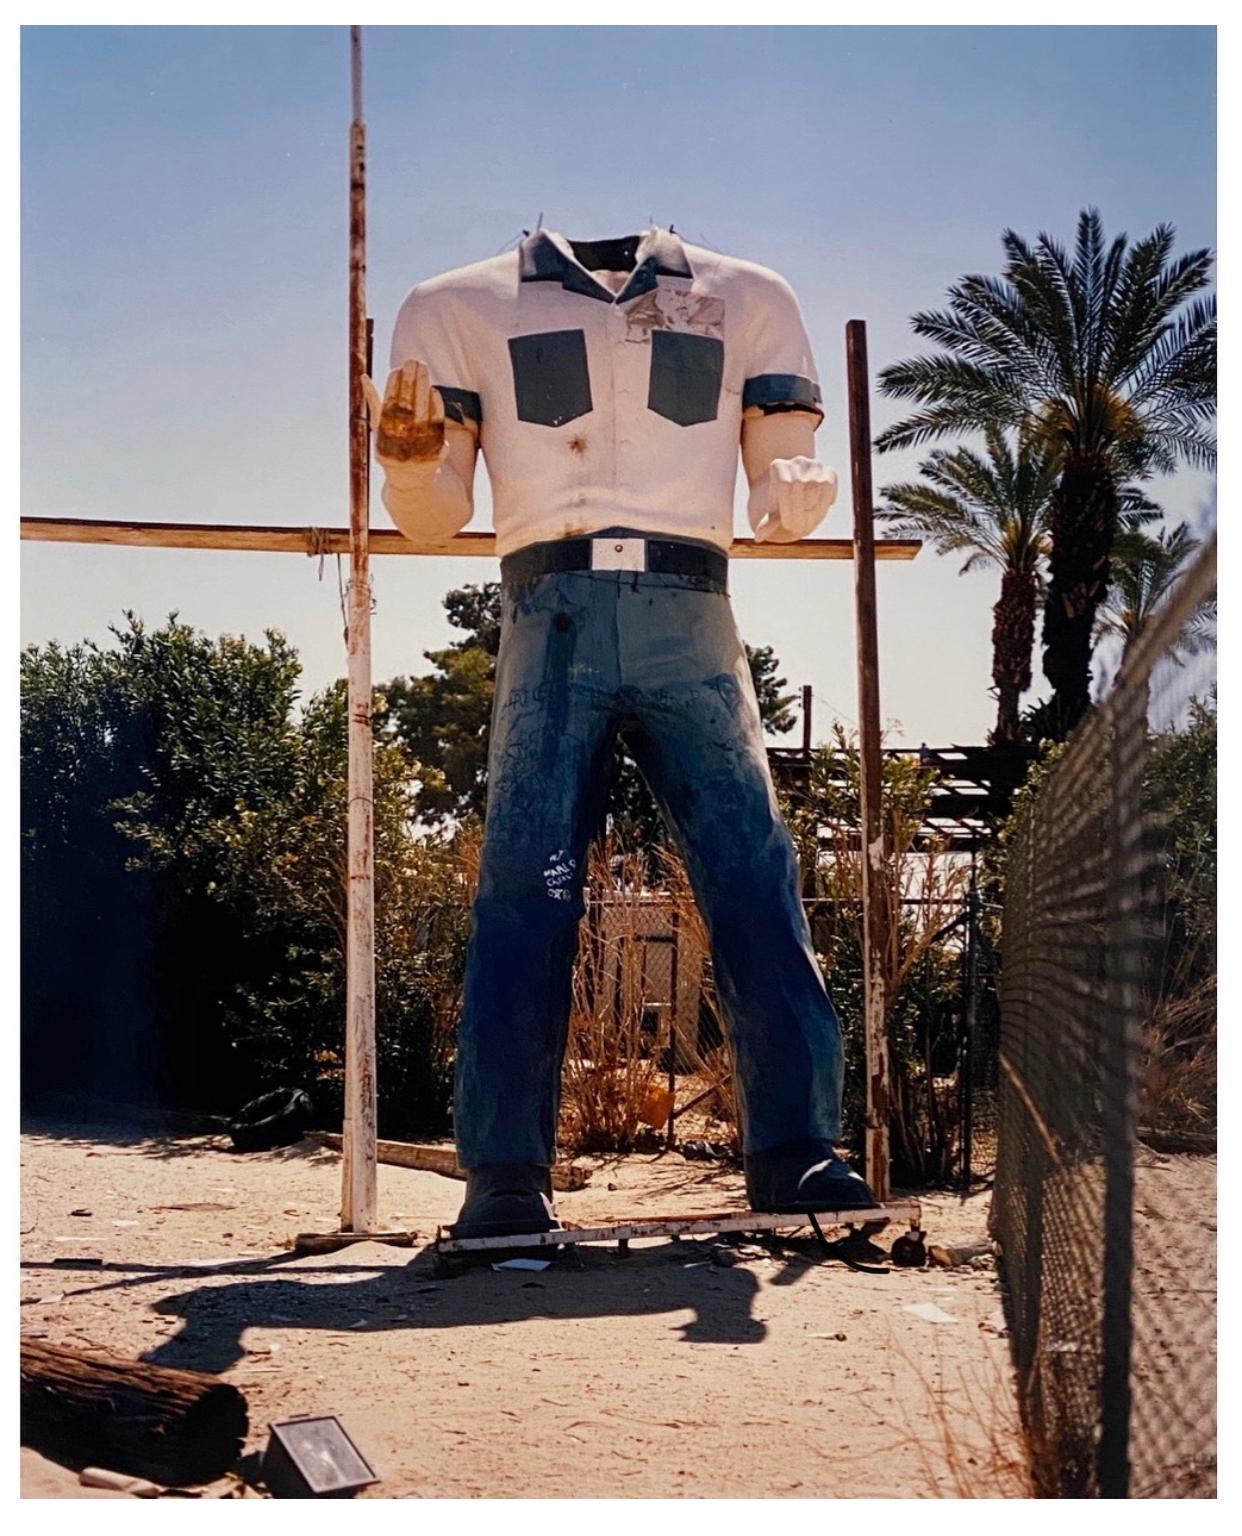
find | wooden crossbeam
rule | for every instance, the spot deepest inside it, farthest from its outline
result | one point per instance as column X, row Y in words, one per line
column 273, row 538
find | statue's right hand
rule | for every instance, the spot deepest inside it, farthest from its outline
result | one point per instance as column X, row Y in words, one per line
column 409, row 421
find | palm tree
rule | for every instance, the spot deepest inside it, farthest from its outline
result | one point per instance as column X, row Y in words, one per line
column 995, row 508
column 1144, row 568
column 1091, row 356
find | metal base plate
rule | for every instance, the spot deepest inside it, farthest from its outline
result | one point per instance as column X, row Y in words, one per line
column 682, row 1226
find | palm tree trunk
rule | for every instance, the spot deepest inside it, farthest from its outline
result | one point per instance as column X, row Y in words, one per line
column 1082, row 523
column 1013, row 641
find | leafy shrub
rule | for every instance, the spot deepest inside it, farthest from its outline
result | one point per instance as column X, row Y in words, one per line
column 183, row 874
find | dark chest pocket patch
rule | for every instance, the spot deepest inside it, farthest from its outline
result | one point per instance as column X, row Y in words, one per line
column 686, row 371
column 550, row 377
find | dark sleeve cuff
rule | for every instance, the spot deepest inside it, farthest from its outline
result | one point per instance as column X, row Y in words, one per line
column 461, row 405
column 782, row 392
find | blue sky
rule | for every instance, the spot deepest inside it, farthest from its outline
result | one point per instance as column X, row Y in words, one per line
column 184, row 273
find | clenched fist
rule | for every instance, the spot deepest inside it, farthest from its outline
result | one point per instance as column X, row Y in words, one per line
column 409, row 421
column 800, row 490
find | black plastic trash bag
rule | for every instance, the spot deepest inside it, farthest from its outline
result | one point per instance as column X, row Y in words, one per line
column 277, row 1119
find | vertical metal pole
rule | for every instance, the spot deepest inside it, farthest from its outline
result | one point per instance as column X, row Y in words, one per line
column 672, row 1034
column 967, row 1085
column 875, row 922
column 1120, row 1061
column 358, row 1142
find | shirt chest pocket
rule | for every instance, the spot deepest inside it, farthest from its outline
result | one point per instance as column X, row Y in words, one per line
column 686, row 370
column 550, row 378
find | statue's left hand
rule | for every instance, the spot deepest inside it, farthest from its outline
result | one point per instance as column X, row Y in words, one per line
column 801, row 490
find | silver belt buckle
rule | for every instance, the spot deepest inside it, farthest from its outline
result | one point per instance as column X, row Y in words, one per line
column 618, row 554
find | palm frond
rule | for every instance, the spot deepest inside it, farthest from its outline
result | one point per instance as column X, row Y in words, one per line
column 1041, row 280
column 1156, row 305
column 1180, row 366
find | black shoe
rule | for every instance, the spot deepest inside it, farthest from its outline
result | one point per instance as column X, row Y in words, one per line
column 803, row 1176
column 506, row 1200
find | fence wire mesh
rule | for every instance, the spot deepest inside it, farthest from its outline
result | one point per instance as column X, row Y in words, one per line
column 1105, row 1194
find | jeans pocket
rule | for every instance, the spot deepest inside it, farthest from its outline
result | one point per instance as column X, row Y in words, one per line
column 686, row 371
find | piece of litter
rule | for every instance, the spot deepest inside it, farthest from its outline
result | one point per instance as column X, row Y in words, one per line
column 194, row 1205
column 126, row 1223
column 523, row 1264
column 81, row 1211
column 929, row 1312
column 839, row 1337
column 236, row 1258
column 118, row 1482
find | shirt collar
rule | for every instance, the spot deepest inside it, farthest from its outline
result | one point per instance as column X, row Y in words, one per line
column 546, row 256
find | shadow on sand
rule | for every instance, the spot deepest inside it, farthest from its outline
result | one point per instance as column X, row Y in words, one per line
column 672, row 1278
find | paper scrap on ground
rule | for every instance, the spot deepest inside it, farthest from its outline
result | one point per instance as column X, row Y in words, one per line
column 523, row 1264
column 929, row 1312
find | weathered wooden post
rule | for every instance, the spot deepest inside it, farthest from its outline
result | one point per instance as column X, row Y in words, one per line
column 358, row 1160
column 875, row 910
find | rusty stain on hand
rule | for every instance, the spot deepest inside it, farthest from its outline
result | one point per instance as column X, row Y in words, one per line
column 411, row 424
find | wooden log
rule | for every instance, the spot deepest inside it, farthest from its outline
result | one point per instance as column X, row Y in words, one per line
column 443, row 1160
column 171, row 1426
column 274, row 538
column 332, row 1242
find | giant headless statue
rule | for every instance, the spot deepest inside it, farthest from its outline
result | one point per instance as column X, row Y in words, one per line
column 609, row 385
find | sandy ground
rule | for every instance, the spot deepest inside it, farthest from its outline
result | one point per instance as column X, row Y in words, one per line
column 654, row 1376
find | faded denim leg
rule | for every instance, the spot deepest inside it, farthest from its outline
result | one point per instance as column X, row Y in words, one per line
column 550, row 748
column 700, row 747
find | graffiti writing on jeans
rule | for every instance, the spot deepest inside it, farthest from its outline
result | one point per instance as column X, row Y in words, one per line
column 559, row 875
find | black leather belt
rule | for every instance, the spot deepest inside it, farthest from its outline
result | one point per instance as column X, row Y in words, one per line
column 617, row 549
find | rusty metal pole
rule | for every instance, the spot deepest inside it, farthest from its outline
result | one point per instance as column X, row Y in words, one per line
column 875, row 919
column 359, row 1139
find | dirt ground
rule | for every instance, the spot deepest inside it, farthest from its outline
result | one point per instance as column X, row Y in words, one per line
column 658, row 1375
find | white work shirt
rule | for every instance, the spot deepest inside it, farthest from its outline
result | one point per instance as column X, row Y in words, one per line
column 597, row 407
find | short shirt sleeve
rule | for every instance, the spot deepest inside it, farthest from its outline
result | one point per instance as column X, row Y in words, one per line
column 428, row 330
column 780, row 371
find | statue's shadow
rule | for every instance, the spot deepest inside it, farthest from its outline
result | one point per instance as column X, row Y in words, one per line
column 672, row 1279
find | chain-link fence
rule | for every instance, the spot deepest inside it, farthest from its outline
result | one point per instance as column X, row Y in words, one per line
column 1105, row 1198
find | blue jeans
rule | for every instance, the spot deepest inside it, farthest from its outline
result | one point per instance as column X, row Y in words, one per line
column 585, row 656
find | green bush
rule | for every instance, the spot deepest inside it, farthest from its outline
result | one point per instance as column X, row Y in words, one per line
column 183, row 871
